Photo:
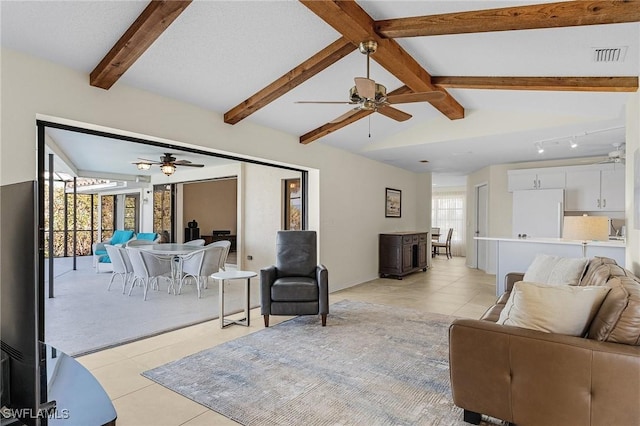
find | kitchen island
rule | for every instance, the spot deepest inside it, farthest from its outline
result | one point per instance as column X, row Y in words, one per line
column 516, row 254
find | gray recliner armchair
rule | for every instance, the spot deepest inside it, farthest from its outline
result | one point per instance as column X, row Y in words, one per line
column 296, row 284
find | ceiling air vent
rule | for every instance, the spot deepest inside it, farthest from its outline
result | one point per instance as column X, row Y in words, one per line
column 609, row 54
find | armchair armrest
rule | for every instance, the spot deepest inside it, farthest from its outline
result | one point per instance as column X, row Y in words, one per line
column 511, row 278
column 267, row 277
column 531, row 377
column 101, row 245
column 322, row 276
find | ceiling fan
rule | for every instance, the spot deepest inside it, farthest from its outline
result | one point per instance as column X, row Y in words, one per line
column 368, row 95
column 615, row 156
column 167, row 164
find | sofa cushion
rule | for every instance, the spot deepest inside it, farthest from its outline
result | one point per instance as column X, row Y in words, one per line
column 294, row 289
column 597, row 272
column 618, row 319
column 555, row 270
column 560, row 309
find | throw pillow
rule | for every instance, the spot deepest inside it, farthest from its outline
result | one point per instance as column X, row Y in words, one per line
column 556, row 270
column 617, row 320
column 146, row 236
column 121, row 237
column 552, row 308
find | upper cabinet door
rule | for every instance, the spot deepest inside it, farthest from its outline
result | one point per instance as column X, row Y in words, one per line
column 582, row 190
column 535, row 179
column 520, row 179
column 612, row 189
column 551, row 179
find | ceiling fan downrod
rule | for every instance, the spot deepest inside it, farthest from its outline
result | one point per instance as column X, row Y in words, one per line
column 367, row 48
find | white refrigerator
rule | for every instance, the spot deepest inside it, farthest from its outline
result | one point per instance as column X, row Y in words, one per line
column 538, row 213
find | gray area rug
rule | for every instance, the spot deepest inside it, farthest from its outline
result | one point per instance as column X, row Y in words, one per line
column 371, row 365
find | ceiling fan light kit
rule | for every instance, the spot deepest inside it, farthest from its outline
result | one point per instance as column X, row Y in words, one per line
column 167, row 164
column 168, row 169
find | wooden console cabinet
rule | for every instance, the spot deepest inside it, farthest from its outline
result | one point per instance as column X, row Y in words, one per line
column 208, row 239
column 401, row 253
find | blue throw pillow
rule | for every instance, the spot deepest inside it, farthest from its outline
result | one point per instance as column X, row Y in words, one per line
column 121, row 237
column 147, row 236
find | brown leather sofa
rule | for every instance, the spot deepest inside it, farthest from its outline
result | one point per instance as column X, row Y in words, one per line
column 529, row 377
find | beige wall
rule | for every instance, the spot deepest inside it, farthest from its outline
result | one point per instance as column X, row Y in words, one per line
column 346, row 190
column 212, row 204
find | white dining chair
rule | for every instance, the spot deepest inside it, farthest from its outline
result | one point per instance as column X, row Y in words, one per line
column 121, row 265
column 200, row 265
column 227, row 247
column 198, row 242
column 147, row 269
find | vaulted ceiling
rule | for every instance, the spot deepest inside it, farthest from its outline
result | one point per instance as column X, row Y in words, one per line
column 511, row 73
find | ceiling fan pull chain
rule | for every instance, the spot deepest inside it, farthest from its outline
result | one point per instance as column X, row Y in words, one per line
column 369, row 126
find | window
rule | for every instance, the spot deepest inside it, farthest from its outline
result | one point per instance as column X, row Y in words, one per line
column 448, row 210
column 108, row 222
column 131, row 215
column 292, row 204
column 163, row 210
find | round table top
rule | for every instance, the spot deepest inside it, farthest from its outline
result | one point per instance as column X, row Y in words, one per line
column 170, row 248
column 233, row 275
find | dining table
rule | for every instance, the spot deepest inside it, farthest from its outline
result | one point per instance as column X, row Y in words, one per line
column 175, row 253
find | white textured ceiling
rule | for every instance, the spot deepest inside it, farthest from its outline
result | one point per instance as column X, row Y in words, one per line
column 218, row 53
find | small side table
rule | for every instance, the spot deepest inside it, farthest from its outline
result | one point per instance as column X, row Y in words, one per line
column 234, row 275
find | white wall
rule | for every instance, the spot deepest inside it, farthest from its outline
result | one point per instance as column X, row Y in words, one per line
column 349, row 197
column 632, row 182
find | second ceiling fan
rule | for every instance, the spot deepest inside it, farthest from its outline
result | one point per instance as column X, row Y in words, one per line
column 368, row 95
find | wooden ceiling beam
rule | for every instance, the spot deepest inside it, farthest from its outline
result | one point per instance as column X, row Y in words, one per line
column 325, row 129
column 576, row 84
column 546, row 15
column 350, row 20
column 146, row 29
column 303, row 72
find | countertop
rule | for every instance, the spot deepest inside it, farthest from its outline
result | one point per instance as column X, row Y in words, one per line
column 609, row 243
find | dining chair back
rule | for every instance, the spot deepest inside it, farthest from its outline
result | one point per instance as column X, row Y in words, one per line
column 200, row 265
column 227, row 247
column 199, row 242
column 446, row 245
column 435, row 234
column 147, row 269
column 121, row 265
column 136, row 242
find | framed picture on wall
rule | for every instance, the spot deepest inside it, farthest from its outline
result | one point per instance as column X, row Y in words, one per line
column 393, row 202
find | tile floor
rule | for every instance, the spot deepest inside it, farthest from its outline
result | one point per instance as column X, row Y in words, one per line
column 449, row 287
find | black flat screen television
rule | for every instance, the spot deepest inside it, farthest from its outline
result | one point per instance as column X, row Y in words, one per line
column 21, row 302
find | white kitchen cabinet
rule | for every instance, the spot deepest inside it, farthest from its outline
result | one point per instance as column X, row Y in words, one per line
column 612, row 189
column 535, row 179
column 599, row 188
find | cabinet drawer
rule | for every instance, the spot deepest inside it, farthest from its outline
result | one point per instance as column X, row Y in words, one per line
column 415, row 239
column 406, row 239
column 423, row 237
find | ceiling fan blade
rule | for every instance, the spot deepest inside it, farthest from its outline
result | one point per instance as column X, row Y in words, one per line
column 325, row 102
column 366, row 87
column 345, row 116
column 182, row 162
column 144, row 160
column 190, row 164
column 393, row 113
column 415, row 97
